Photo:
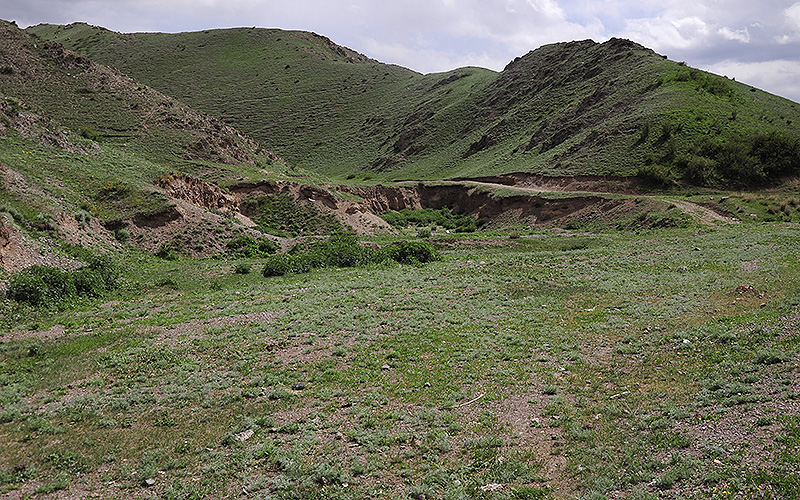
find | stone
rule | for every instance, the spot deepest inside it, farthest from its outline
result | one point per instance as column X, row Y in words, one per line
column 244, row 435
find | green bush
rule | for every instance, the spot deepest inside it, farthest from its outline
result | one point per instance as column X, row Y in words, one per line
column 42, row 286
column 411, row 252
column 656, row 176
column 276, row 265
column 169, row 251
column 50, row 287
column 243, row 246
column 88, row 282
column 442, row 217
column 345, row 251
column 340, row 251
column 122, row 235
column 242, row 269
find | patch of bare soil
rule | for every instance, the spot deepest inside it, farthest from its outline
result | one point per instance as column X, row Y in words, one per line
column 54, row 332
column 705, row 214
column 18, row 251
column 195, row 329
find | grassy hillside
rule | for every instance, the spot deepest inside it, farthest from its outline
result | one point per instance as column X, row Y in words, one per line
column 569, row 108
column 83, row 145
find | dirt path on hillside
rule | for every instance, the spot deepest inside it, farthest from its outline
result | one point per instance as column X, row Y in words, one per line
column 701, row 213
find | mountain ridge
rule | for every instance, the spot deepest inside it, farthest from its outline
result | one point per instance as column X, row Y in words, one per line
column 570, row 108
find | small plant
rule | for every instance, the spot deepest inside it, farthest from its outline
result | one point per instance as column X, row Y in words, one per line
column 169, row 251
column 89, row 133
column 83, row 217
column 122, row 235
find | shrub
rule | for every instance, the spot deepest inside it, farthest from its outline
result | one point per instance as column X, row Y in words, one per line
column 341, row 251
column 345, row 251
column 169, row 251
column 50, row 287
column 411, row 252
column 242, row 269
column 249, row 247
column 276, row 265
column 42, row 286
column 442, row 217
column 656, row 176
column 88, row 282
column 83, row 217
column 122, row 235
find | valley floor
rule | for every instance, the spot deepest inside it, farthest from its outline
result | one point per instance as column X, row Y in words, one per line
column 662, row 364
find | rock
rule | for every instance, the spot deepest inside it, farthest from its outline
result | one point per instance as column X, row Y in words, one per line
column 245, row 435
column 149, row 482
column 298, row 386
column 492, row 487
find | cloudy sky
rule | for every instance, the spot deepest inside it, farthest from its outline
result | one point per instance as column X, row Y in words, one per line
column 756, row 42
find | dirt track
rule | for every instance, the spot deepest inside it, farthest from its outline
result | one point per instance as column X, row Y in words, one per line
column 596, row 187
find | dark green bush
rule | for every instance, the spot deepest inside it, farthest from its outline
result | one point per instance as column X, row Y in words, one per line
column 345, row 251
column 656, row 176
column 88, row 282
column 169, row 251
column 341, row 251
column 107, row 269
column 442, row 217
column 242, row 269
column 248, row 247
column 50, row 287
column 411, row 252
column 42, row 286
column 276, row 265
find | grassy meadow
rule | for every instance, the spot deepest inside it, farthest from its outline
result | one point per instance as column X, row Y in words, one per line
column 659, row 364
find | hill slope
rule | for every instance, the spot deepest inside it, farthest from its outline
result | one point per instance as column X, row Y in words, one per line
column 567, row 108
column 86, row 151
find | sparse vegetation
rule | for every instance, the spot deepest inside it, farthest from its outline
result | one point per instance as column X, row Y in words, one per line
column 282, row 215
column 622, row 344
column 430, row 217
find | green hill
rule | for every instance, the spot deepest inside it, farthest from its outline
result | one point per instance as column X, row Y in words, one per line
column 82, row 144
column 569, row 108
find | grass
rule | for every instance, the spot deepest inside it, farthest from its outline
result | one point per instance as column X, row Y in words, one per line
column 437, row 380
column 563, row 109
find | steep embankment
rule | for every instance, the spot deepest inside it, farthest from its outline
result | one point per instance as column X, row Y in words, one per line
column 614, row 108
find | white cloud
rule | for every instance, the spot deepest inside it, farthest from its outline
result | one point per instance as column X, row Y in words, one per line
column 662, row 33
column 737, row 35
column 792, row 15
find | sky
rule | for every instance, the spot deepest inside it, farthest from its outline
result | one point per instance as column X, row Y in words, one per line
column 755, row 42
